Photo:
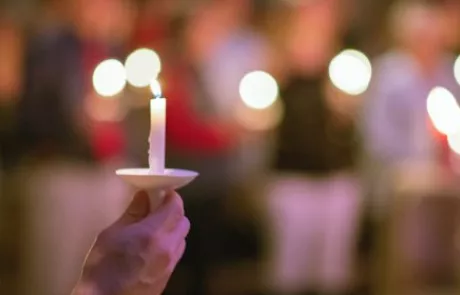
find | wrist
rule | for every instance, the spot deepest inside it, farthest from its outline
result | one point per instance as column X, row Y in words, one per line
column 87, row 284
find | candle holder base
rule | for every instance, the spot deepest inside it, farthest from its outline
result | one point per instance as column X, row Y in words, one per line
column 156, row 184
column 141, row 178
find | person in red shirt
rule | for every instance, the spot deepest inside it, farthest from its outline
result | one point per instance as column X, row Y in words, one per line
column 198, row 139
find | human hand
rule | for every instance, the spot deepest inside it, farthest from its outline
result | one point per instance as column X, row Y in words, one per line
column 138, row 253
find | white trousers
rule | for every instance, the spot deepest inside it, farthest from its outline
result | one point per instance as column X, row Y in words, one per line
column 314, row 227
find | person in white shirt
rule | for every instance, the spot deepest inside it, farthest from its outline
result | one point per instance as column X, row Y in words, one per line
column 396, row 127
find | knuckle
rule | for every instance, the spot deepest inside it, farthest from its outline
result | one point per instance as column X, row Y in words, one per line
column 164, row 255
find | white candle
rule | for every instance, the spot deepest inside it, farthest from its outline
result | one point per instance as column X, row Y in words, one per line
column 157, row 136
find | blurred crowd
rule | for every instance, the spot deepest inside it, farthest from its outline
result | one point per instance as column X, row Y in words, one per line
column 325, row 191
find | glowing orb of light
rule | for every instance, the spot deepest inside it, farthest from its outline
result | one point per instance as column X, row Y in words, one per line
column 457, row 69
column 109, row 78
column 142, row 66
column 258, row 90
column 443, row 110
column 454, row 142
column 155, row 88
column 351, row 72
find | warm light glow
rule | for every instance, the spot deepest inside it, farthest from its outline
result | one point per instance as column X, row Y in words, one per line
column 109, row 78
column 155, row 87
column 351, row 72
column 259, row 119
column 444, row 111
column 142, row 66
column 258, row 90
column 108, row 110
column 454, row 142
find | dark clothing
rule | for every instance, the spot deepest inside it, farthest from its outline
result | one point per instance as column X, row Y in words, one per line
column 51, row 113
column 46, row 112
column 197, row 141
column 8, row 144
column 310, row 141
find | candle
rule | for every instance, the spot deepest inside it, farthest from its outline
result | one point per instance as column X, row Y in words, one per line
column 157, row 130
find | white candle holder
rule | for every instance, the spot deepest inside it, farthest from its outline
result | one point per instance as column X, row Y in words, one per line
column 156, row 184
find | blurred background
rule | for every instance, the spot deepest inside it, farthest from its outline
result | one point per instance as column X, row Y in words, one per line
column 326, row 134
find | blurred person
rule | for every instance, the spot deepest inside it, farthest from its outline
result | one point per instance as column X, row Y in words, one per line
column 151, row 28
column 404, row 76
column 402, row 145
column 226, row 43
column 138, row 253
column 452, row 10
column 54, row 120
column 396, row 125
column 67, row 149
column 314, row 196
column 200, row 137
column 201, row 141
column 11, row 58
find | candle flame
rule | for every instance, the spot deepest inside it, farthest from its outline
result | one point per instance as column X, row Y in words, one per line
column 155, row 87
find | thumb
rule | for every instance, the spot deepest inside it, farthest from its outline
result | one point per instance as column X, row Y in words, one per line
column 137, row 210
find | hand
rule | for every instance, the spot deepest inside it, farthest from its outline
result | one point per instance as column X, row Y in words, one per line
column 138, row 253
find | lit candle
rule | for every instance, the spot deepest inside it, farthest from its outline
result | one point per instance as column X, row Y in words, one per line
column 157, row 130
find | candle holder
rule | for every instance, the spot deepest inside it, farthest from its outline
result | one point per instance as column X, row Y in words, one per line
column 156, row 184
column 156, row 179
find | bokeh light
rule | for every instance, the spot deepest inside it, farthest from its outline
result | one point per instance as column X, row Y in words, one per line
column 454, row 142
column 155, row 88
column 351, row 72
column 258, row 90
column 142, row 66
column 109, row 78
column 444, row 111
column 457, row 69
